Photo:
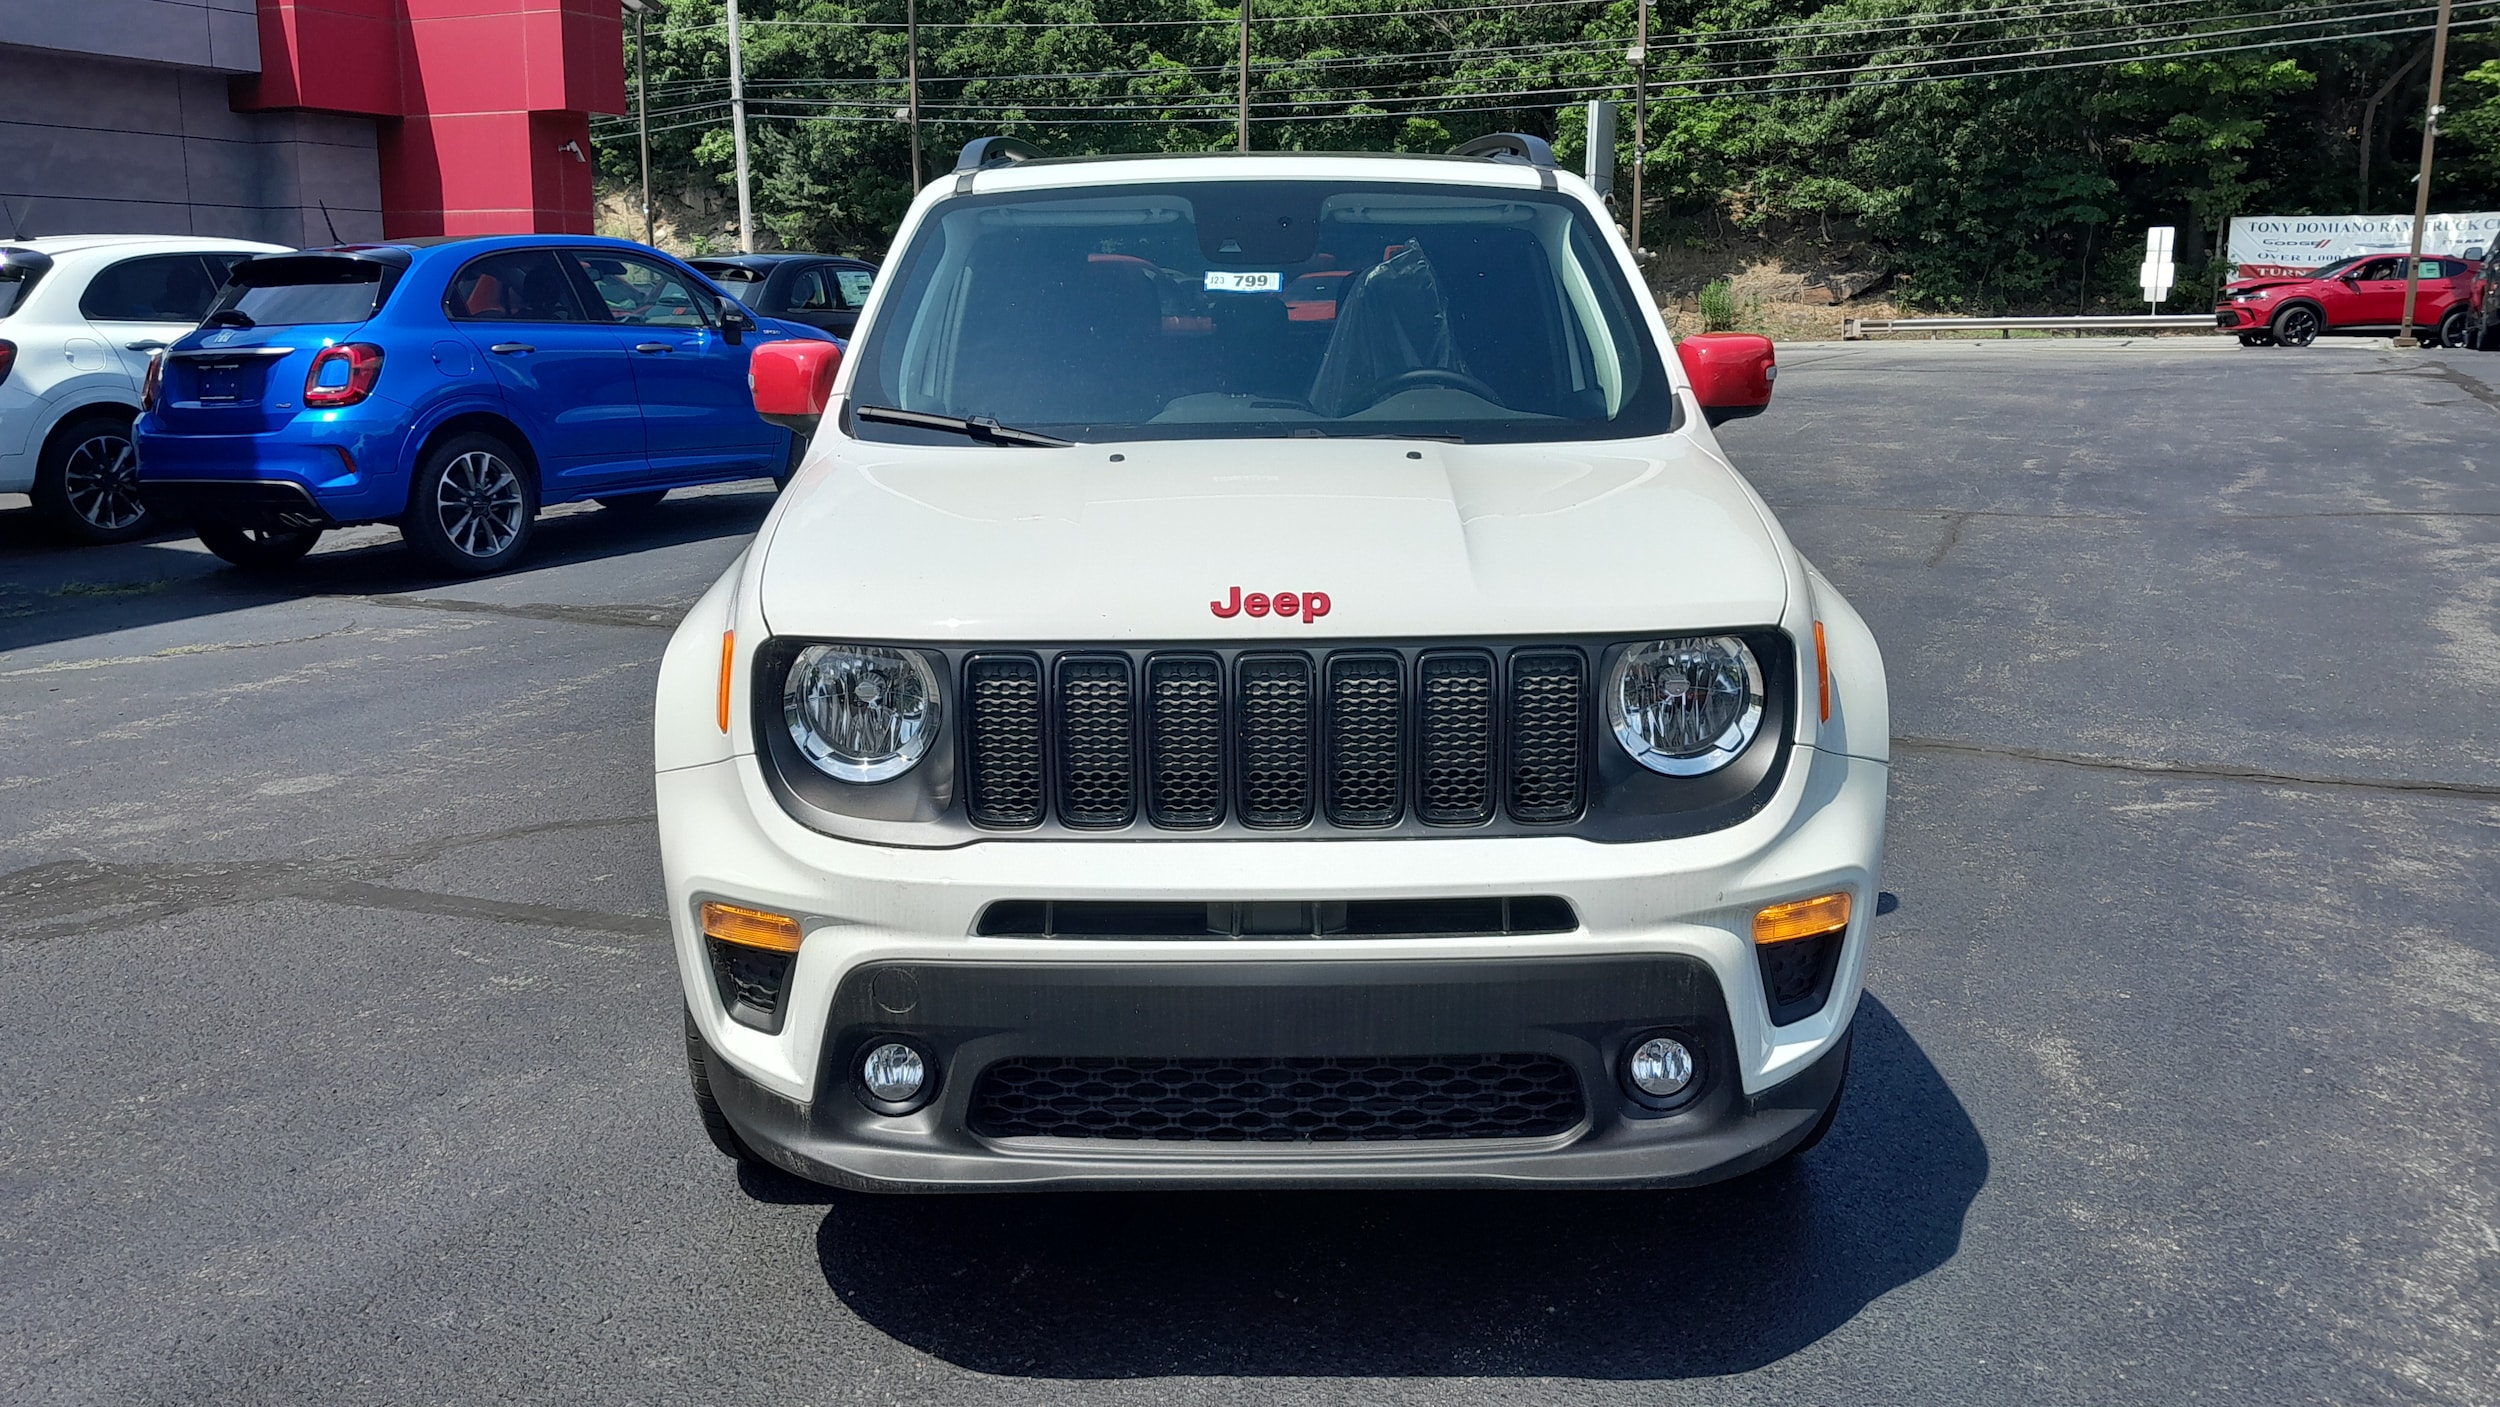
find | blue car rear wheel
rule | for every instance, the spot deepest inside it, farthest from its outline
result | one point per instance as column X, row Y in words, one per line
column 473, row 505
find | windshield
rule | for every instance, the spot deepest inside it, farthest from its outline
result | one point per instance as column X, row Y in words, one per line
column 1243, row 308
column 279, row 291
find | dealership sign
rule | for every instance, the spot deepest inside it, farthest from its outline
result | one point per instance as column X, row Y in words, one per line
column 2269, row 246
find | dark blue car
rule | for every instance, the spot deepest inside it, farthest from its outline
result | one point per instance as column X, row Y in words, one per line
column 454, row 388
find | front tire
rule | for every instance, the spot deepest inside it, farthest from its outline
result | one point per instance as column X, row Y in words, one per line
column 87, row 481
column 474, row 505
column 258, row 549
column 716, row 1125
column 2453, row 329
column 2297, row 325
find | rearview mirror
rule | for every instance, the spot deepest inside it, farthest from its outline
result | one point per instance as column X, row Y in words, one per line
column 2474, row 255
column 792, row 382
column 1731, row 373
column 735, row 322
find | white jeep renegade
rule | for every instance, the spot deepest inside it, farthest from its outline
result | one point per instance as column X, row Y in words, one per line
column 1266, row 678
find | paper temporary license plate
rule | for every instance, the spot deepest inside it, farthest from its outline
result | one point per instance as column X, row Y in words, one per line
column 1230, row 281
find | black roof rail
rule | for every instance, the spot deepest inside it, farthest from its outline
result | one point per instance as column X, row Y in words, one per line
column 995, row 151
column 1509, row 146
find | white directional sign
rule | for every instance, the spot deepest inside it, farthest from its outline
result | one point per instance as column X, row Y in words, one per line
column 2159, row 272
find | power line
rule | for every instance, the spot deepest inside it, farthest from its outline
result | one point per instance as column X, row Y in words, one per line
column 1747, row 82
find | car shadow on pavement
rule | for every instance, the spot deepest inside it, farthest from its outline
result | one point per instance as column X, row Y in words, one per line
column 1641, row 1285
column 50, row 593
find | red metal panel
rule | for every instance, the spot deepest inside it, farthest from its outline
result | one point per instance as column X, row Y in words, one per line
column 493, row 99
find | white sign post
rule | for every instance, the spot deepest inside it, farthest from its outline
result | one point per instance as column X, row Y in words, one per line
column 2159, row 273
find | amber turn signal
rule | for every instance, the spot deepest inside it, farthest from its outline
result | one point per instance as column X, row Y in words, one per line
column 751, row 928
column 728, row 649
column 1822, row 673
column 1802, row 918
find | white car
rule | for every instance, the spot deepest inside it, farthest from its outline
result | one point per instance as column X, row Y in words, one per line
column 1266, row 678
column 80, row 315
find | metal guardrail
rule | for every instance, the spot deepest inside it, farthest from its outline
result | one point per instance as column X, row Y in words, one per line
column 1857, row 329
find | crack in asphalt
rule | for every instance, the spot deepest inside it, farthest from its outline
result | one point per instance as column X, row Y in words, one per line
column 76, row 898
column 639, row 617
column 79, row 898
column 175, row 652
column 2195, row 771
column 1953, row 524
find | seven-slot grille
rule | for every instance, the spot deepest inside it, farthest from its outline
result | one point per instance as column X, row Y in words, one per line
column 1355, row 739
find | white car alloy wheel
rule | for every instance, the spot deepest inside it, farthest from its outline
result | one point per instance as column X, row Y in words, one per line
column 100, row 478
column 480, row 505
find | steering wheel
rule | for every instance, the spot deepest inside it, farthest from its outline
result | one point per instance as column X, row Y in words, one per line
column 1432, row 376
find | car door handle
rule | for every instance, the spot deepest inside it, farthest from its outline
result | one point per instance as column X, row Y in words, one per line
column 653, row 347
column 151, row 345
column 511, row 349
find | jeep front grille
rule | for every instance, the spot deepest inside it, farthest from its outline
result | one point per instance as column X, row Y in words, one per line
column 1350, row 740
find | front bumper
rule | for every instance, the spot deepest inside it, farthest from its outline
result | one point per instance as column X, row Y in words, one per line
column 1674, row 912
column 1583, row 1011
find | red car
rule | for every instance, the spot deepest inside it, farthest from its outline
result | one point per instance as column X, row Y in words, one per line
column 2363, row 294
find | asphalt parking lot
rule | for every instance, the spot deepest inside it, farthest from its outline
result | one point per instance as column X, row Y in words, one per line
column 342, row 1054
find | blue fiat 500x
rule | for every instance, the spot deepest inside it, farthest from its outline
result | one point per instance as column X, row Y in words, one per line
column 452, row 387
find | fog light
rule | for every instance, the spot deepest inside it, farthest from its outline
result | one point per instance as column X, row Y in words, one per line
column 1660, row 1067
column 894, row 1073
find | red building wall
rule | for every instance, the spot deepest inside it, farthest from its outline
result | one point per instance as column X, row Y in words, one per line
column 484, row 104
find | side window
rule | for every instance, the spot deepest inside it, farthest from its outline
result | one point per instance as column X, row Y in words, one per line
column 517, row 285
column 640, row 293
column 159, row 288
column 810, row 292
column 855, row 284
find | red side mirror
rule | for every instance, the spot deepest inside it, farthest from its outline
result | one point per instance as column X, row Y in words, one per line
column 1731, row 373
column 792, row 381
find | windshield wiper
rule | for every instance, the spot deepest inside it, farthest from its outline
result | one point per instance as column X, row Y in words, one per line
column 228, row 318
column 1298, row 432
column 979, row 427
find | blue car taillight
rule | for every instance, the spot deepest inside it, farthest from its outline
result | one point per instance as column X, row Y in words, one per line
column 342, row 375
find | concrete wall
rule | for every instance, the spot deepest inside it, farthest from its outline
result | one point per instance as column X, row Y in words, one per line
column 95, row 146
column 223, row 35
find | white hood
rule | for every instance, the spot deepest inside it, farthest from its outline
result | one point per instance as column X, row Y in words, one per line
column 1122, row 543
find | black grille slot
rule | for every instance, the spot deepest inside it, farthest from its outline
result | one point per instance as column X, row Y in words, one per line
column 1454, row 697
column 1290, row 1100
column 1273, row 700
column 750, row 982
column 1548, row 705
column 1797, row 975
column 1097, row 742
column 1003, row 739
column 1274, row 918
column 1366, row 740
column 1185, row 741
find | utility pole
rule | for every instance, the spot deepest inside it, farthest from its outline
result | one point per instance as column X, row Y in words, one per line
column 2422, row 182
column 642, row 112
column 738, row 134
column 911, row 75
column 1640, row 115
column 1241, row 125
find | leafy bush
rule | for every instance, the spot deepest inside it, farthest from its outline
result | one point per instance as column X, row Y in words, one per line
column 1718, row 306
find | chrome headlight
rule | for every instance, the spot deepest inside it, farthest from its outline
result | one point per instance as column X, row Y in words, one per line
column 861, row 713
column 1688, row 706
